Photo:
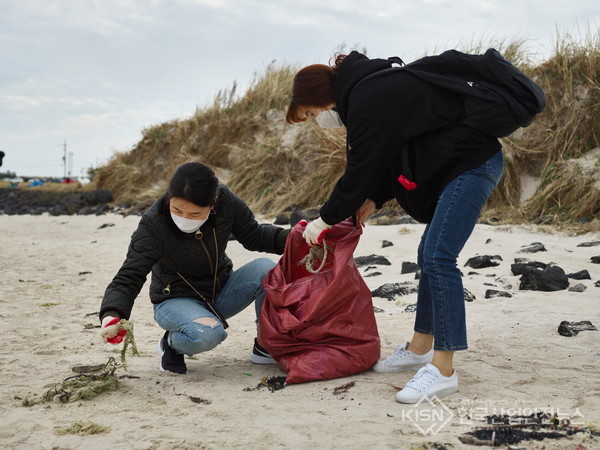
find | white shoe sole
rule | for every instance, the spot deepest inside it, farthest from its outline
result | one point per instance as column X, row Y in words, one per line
column 256, row 359
column 440, row 394
column 160, row 352
column 398, row 368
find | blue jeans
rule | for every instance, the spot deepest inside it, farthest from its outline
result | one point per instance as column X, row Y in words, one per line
column 440, row 301
column 193, row 328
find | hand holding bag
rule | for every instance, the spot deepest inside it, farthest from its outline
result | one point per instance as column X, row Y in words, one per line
column 319, row 326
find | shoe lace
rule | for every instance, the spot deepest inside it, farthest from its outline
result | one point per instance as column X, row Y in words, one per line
column 399, row 354
column 422, row 380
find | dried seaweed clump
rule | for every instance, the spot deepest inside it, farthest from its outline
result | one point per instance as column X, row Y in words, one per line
column 273, row 383
column 80, row 387
column 82, row 429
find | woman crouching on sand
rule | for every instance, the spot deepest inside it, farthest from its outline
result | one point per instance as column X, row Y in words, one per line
column 405, row 140
column 182, row 239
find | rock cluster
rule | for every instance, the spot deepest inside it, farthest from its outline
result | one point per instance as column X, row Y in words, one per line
column 36, row 202
column 534, row 275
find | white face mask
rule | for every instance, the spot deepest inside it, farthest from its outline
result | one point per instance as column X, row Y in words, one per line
column 329, row 119
column 187, row 225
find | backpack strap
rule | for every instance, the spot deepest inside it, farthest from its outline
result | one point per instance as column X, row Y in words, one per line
column 396, row 65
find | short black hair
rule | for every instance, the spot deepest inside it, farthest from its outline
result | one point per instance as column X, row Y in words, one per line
column 194, row 182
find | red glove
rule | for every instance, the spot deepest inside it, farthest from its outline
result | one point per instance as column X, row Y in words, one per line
column 114, row 337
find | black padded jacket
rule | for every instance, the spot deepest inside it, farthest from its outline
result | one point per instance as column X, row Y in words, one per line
column 158, row 246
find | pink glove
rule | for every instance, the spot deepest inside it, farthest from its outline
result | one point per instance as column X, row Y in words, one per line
column 118, row 337
column 315, row 231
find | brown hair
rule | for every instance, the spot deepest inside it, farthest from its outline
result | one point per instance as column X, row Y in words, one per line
column 313, row 86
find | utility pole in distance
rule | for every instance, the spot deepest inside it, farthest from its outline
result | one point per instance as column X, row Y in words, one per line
column 64, row 158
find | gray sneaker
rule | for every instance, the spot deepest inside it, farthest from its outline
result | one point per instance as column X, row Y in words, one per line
column 403, row 359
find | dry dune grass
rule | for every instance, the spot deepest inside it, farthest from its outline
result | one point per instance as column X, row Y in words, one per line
column 568, row 129
column 274, row 165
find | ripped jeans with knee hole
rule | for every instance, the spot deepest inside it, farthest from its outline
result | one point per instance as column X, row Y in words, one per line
column 193, row 328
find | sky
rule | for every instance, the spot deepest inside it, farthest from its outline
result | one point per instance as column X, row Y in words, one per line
column 85, row 77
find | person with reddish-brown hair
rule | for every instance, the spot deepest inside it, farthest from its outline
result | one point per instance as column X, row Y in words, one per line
column 408, row 139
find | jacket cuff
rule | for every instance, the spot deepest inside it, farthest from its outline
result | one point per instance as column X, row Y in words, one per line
column 280, row 239
column 110, row 313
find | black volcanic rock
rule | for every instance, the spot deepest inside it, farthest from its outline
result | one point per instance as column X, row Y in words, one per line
column 282, row 219
column 581, row 275
column 483, row 261
column 492, row 293
column 391, row 290
column 469, row 296
column 409, row 267
column 589, row 244
column 522, row 264
column 552, row 278
column 534, row 247
column 31, row 201
column 570, row 329
column 372, row 274
column 296, row 216
column 372, row 259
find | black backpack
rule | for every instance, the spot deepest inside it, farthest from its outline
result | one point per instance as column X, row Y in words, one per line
column 498, row 98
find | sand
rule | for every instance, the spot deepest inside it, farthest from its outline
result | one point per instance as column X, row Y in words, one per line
column 53, row 274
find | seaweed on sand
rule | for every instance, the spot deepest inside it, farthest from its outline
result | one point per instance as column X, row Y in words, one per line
column 80, row 387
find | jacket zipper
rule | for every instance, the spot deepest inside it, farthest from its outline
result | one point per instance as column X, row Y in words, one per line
column 167, row 289
column 212, row 269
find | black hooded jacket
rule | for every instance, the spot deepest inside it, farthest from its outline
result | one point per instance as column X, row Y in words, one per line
column 387, row 115
column 157, row 245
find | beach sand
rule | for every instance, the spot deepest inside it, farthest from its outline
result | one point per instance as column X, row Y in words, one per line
column 53, row 274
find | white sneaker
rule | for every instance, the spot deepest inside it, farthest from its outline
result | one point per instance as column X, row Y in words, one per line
column 403, row 359
column 428, row 382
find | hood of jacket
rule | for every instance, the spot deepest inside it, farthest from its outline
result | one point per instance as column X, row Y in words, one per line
column 353, row 69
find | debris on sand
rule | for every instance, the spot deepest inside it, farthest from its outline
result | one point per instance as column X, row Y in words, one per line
column 199, row 400
column 273, row 383
column 509, row 430
column 344, row 388
column 80, row 387
column 82, row 429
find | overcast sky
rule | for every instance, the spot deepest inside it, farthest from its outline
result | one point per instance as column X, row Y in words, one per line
column 97, row 72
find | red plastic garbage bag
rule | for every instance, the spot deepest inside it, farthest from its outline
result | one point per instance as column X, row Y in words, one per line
column 319, row 326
